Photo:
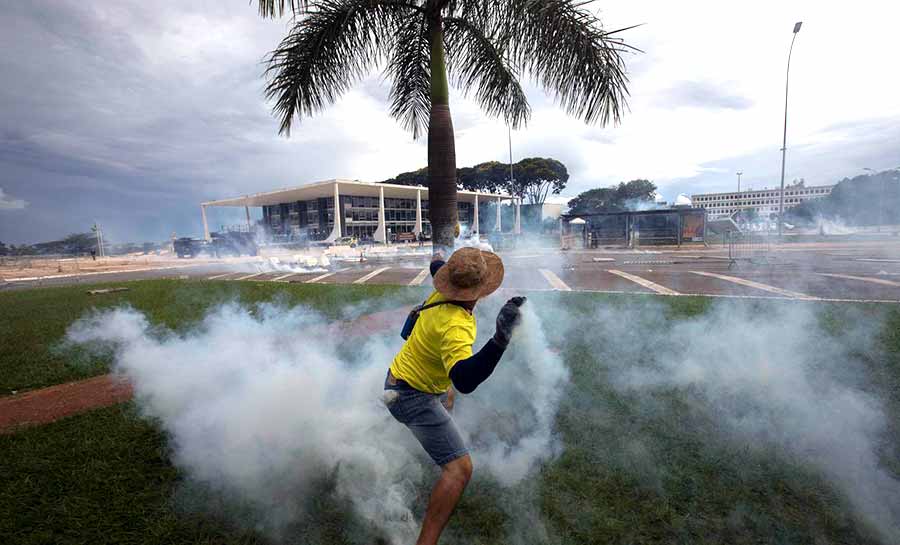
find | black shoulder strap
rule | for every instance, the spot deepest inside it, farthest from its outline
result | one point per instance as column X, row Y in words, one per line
column 432, row 305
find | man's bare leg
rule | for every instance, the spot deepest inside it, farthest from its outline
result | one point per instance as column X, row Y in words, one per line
column 444, row 497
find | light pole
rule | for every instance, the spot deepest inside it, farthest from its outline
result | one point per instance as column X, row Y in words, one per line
column 739, row 173
column 784, row 138
column 511, row 178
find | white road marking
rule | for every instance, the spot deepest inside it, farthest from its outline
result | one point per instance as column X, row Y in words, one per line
column 662, row 290
column 423, row 274
column 282, row 277
column 249, row 276
column 880, row 281
column 874, row 260
column 219, row 276
column 555, row 281
column 758, row 285
column 370, row 276
column 322, row 277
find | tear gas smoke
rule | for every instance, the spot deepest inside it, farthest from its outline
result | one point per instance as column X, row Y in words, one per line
column 772, row 377
column 259, row 404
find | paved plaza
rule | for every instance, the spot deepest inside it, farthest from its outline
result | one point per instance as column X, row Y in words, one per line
column 860, row 272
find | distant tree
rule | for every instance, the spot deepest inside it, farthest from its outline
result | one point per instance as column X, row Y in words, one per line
column 613, row 198
column 536, row 178
column 601, row 199
column 866, row 199
column 76, row 243
column 416, row 177
column 21, row 249
column 636, row 190
column 490, row 177
column 3, row 249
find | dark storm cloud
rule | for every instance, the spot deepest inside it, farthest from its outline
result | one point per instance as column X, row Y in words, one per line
column 134, row 112
column 702, row 94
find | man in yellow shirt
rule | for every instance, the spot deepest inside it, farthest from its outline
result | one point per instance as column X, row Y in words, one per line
column 437, row 355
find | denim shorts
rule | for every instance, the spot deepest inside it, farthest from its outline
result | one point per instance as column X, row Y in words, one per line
column 426, row 417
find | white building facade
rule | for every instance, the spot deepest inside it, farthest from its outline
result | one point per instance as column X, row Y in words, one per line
column 365, row 210
column 764, row 202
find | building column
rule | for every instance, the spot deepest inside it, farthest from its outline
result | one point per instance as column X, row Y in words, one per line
column 418, row 227
column 475, row 221
column 205, row 225
column 336, row 230
column 380, row 233
column 518, row 227
column 499, row 226
column 247, row 212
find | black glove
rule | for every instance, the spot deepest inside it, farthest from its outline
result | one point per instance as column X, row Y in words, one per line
column 509, row 317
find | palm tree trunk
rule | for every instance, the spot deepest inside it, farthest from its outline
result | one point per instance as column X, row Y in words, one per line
column 441, row 147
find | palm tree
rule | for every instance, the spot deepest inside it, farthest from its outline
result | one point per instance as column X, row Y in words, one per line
column 484, row 45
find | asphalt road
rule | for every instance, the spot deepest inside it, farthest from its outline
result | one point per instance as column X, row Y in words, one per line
column 855, row 274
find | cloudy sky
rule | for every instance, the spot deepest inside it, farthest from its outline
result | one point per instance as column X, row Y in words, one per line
column 131, row 112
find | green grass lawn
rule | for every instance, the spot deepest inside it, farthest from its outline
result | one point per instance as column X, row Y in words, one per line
column 107, row 476
column 32, row 322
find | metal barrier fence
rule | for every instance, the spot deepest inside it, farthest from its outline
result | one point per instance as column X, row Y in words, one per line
column 752, row 247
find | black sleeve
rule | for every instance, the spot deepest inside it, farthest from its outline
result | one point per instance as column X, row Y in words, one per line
column 435, row 265
column 467, row 374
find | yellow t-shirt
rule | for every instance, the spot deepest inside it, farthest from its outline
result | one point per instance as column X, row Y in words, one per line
column 443, row 336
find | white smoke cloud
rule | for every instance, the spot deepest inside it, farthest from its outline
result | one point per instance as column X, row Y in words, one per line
column 7, row 202
column 772, row 377
column 259, row 403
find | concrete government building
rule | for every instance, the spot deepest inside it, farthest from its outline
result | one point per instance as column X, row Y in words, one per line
column 764, row 201
column 366, row 210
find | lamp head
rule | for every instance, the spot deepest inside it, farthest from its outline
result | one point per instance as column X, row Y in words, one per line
column 797, row 26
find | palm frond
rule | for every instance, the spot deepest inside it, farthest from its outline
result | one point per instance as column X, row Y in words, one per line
column 277, row 8
column 411, row 73
column 477, row 63
column 563, row 46
column 333, row 45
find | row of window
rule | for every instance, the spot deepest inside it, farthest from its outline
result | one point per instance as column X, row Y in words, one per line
column 792, row 200
column 356, row 214
column 372, row 202
column 274, row 217
column 814, row 192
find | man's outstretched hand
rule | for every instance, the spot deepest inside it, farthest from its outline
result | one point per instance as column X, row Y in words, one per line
column 509, row 317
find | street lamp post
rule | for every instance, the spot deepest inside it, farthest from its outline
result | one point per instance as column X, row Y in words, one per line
column 784, row 138
column 512, row 178
column 739, row 173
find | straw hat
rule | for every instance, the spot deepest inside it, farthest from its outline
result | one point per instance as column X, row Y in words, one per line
column 469, row 274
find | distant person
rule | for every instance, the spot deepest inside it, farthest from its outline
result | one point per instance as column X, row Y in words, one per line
column 421, row 239
column 94, row 255
column 438, row 355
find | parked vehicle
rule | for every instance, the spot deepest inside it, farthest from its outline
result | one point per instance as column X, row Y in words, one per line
column 234, row 243
column 190, row 247
column 229, row 243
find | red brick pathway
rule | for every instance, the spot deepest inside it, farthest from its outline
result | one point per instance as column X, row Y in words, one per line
column 49, row 404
